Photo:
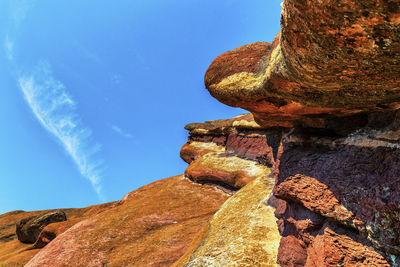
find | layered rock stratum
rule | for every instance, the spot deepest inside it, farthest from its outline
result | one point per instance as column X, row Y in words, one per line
column 310, row 177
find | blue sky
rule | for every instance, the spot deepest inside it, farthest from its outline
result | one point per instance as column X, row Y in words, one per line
column 94, row 94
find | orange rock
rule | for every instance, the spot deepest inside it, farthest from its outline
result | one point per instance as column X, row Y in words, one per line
column 152, row 226
column 15, row 253
column 329, row 59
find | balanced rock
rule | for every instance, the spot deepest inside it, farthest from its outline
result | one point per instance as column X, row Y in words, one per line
column 28, row 229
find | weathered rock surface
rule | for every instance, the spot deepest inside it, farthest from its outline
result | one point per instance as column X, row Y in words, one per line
column 242, row 233
column 330, row 58
column 232, row 152
column 331, row 81
column 324, row 98
column 152, row 226
column 15, row 253
column 349, row 182
column 28, row 229
column 229, row 170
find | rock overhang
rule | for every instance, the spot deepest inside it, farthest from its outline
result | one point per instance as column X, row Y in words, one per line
column 329, row 59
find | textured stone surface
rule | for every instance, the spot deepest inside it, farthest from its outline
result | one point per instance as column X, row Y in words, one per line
column 330, row 58
column 335, row 246
column 352, row 180
column 152, row 226
column 52, row 230
column 29, row 229
column 230, row 170
column 242, row 233
column 194, row 150
column 15, row 253
column 230, row 152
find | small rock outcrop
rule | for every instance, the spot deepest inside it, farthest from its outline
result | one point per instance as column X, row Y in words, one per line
column 230, row 152
column 28, row 229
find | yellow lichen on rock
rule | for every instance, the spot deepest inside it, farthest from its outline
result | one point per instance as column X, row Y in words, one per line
column 242, row 84
column 242, row 233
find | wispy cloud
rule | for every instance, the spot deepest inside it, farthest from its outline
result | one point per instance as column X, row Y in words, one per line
column 55, row 109
column 121, row 132
column 9, row 48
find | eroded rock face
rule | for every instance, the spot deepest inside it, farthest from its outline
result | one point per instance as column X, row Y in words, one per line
column 28, row 229
column 230, row 152
column 330, row 80
column 352, row 182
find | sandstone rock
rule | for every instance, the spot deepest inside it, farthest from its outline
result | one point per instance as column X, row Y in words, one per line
column 15, row 253
column 194, row 150
column 252, row 145
column 336, row 246
column 242, row 233
column 53, row 230
column 230, row 152
column 152, row 226
column 351, row 180
column 329, row 59
column 230, row 170
column 29, row 229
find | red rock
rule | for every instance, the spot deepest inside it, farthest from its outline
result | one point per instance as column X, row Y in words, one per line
column 351, row 180
column 329, row 59
column 152, row 226
column 250, row 145
column 247, row 58
column 53, row 230
column 194, row 150
column 334, row 246
column 292, row 252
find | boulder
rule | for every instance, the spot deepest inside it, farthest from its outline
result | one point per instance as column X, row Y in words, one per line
column 28, row 229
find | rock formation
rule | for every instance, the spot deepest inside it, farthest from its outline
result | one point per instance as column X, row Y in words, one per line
column 242, row 233
column 330, row 59
column 330, row 80
column 310, row 177
column 159, row 223
column 152, row 226
column 28, row 229
column 15, row 253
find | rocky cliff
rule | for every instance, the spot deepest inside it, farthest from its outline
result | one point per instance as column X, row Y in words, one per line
column 330, row 80
column 310, row 177
column 163, row 223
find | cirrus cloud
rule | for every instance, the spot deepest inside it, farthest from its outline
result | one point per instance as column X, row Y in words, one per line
column 56, row 111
